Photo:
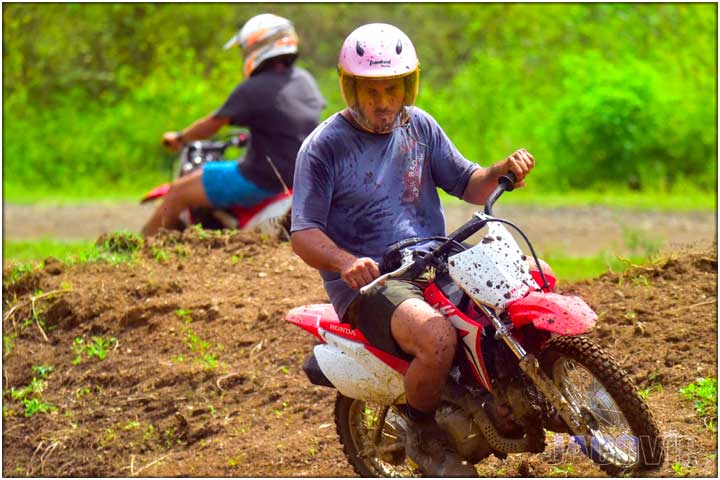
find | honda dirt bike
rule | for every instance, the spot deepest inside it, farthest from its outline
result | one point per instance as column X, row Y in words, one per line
column 272, row 215
column 521, row 366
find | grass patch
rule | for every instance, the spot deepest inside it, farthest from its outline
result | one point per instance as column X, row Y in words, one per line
column 704, row 393
column 24, row 251
column 684, row 201
column 84, row 190
column 570, row 269
column 117, row 247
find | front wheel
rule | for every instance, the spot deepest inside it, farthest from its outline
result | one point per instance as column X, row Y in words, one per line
column 373, row 438
column 624, row 436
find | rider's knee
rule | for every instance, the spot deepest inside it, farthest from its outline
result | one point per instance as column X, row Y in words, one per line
column 437, row 340
column 179, row 191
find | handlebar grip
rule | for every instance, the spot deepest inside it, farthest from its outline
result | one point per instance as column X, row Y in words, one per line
column 508, row 181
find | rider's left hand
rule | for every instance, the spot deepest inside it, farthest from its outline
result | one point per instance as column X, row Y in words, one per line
column 520, row 163
column 173, row 140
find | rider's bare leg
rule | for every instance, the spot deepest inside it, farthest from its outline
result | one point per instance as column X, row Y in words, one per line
column 185, row 192
column 424, row 333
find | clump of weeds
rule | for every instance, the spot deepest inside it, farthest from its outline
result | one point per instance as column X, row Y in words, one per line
column 30, row 396
column 39, row 302
column 97, row 347
column 703, row 391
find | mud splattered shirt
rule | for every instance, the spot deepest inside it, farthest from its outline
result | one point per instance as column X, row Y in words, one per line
column 367, row 191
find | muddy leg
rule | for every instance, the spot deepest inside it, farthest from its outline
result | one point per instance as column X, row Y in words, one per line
column 424, row 333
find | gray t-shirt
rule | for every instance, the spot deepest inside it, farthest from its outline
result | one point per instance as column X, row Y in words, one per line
column 280, row 109
column 367, row 191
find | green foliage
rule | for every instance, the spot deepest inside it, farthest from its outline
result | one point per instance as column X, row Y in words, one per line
column 184, row 315
column 195, row 343
column 681, row 470
column 704, row 393
column 118, row 247
column 98, row 347
column 645, row 393
column 42, row 371
column 29, row 396
column 569, row 268
column 35, row 405
column 562, row 470
column 9, row 343
column 17, row 271
column 208, row 360
column 599, row 92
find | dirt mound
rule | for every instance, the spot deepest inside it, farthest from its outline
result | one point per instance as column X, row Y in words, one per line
column 172, row 358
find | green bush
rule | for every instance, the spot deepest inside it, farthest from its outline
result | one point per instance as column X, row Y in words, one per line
column 624, row 122
column 88, row 89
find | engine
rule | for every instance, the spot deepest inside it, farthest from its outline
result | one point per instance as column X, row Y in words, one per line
column 469, row 441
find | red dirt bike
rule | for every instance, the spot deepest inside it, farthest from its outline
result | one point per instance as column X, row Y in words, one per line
column 270, row 216
column 521, row 367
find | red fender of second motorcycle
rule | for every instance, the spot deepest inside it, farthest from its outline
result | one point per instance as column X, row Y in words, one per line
column 157, row 192
column 245, row 214
column 552, row 312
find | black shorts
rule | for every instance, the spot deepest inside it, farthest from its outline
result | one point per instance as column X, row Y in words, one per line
column 371, row 314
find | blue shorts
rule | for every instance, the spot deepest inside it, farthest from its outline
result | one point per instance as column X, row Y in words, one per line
column 225, row 186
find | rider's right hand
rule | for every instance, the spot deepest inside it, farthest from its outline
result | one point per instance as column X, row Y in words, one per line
column 360, row 272
column 172, row 140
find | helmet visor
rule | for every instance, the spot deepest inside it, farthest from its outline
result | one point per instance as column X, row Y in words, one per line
column 380, row 104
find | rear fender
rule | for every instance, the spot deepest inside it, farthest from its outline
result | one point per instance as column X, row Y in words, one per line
column 309, row 317
column 564, row 315
column 357, row 372
column 251, row 217
column 157, row 192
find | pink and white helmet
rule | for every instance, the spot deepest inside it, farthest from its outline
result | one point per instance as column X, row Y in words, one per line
column 378, row 51
column 262, row 37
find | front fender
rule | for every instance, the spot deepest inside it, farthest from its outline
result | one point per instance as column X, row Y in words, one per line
column 564, row 315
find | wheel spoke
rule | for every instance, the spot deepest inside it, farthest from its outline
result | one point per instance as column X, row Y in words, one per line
column 606, row 420
column 378, row 434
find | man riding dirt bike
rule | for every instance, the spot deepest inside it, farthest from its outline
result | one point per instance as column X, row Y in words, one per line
column 366, row 179
column 521, row 366
column 279, row 103
column 271, row 216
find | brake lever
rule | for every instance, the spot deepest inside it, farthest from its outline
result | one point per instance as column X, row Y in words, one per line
column 375, row 284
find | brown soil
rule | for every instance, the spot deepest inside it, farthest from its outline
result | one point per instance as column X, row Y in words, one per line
column 153, row 407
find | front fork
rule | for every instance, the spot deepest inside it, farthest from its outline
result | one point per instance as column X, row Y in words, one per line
column 531, row 367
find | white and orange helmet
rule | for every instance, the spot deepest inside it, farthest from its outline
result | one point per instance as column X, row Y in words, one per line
column 378, row 51
column 262, row 37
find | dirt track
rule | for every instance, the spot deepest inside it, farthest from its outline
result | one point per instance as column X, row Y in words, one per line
column 204, row 379
column 572, row 231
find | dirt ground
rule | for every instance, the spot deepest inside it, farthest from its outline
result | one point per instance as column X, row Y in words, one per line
column 196, row 373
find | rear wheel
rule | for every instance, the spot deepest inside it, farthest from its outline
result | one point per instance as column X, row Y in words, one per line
column 623, row 434
column 373, row 438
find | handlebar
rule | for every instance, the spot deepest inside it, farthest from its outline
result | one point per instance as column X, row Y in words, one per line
column 220, row 145
column 505, row 184
column 370, row 287
column 235, row 140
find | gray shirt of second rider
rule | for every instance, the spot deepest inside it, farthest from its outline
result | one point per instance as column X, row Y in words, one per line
column 280, row 109
column 367, row 191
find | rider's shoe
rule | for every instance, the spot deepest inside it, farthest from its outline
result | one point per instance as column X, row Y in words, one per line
column 429, row 447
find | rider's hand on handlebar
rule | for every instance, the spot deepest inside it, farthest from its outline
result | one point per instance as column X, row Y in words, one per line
column 360, row 272
column 520, row 163
column 172, row 140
